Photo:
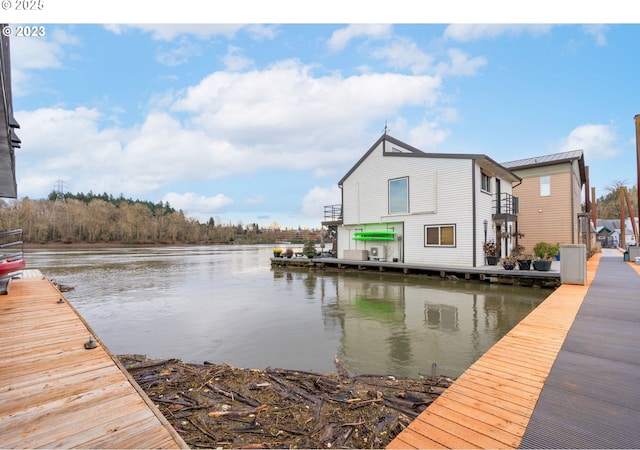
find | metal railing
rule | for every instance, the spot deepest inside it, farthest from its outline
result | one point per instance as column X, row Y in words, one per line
column 506, row 204
column 11, row 246
column 333, row 213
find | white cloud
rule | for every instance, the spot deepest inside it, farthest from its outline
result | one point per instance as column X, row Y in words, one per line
column 598, row 33
column 168, row 32
column 257, row 200
column 404, row 54
column 36, row 55
column 285, row 117
column 460, row 64
column 475, row 32
column 281, row 118
column 184, row 50
column 596, row 140
column 235, row 61
column 317, row 198
column 341, row 38
column 197, row 205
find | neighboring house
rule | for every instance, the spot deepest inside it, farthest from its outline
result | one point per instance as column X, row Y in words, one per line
column 402, row 204
column 613, row 225
column 9, row 141
column 605, row 237
column 550, row 198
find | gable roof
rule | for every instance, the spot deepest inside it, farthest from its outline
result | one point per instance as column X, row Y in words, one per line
column 549, row 160
column 408, row 151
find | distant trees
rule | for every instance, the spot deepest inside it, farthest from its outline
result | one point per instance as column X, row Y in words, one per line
column 608, row 206
column 90, row 218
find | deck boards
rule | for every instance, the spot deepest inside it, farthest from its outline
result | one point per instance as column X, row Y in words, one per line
column 56, row 393
column 490, row 404
column 591, row 397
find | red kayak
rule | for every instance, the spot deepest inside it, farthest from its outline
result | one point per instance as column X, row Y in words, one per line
column 8, row 267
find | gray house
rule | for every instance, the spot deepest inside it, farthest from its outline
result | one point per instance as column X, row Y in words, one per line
column 9, row 141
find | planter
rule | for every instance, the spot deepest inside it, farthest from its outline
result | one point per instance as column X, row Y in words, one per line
column 524, row 264
column 508, row 265
column 277, row 254
column 542, row 266
column 493, row 260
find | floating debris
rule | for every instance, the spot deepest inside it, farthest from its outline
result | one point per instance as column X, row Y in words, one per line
column 62, row 287
column 221, row 406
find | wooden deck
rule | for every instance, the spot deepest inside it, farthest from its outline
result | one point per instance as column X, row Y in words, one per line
column 56, row 393
column 491, row 274
column 490, row 404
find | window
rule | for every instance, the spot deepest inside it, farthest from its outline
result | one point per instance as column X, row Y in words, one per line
column 545, row 186
column 486, row 182
column 399, row 196
column 440, row 235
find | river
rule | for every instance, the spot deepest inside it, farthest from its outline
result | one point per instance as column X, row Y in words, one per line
column 225, row 304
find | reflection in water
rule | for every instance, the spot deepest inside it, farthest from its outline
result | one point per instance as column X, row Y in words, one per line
column 225, row 304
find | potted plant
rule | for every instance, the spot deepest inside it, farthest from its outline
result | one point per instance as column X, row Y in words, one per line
column 544, row 253
column 491, row 252
column 523, row 259
column 277, row 252
column 309, row 249
column 509, row 262
column 288, row 252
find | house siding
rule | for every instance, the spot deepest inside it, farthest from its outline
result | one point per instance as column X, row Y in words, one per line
column 442, row 191
column 548, row 218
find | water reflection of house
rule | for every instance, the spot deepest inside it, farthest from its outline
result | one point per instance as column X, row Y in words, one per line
column 400, row 203
column 406, row 325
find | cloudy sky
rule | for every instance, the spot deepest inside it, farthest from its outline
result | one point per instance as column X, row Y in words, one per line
column 258, row 122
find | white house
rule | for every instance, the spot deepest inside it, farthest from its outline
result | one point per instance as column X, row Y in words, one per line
column 402, row 204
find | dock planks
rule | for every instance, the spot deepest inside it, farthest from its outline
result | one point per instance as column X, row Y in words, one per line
column 490, row 405
column 56, row 393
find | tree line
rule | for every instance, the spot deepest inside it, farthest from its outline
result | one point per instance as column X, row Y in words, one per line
column 103, row 218
column 90, row 218
column 608, row 205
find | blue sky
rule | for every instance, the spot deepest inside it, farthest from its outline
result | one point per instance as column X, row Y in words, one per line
column 258, row 122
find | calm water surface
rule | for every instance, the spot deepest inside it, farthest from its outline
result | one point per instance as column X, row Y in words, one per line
column 225, row 304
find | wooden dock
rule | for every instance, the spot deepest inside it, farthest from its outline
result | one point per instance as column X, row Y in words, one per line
column 490, row 404
column 56, row 393
column 491, row 274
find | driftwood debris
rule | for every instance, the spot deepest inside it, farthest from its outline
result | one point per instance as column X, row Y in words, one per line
column 220, row 406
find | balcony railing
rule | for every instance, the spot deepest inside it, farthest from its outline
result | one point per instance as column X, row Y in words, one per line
column 11, row 252
column 505, row 207
column 332, row 214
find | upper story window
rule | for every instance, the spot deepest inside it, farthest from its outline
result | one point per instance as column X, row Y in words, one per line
column 399, row 195
column 545, row 186
column 486, row 182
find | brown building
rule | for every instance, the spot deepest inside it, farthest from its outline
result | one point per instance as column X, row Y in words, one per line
column 550, row 197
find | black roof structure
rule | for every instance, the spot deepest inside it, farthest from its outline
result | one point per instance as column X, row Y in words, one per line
column 9, row 140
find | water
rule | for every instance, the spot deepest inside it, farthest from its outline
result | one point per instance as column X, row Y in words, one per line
column 225, row 304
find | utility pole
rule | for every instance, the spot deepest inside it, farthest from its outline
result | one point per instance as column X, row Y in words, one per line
column 59, row 205
column 637, row 120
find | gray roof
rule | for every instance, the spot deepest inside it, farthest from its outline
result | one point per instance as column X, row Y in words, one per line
column 409, row 151
column 548, row 160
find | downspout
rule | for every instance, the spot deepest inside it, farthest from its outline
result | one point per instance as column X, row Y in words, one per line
column 517, row 231
column 473, row 211
column 637, row 119
column 573, row 206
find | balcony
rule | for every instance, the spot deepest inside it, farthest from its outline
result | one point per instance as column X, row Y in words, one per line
column 505, row 208
column 332, row 215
